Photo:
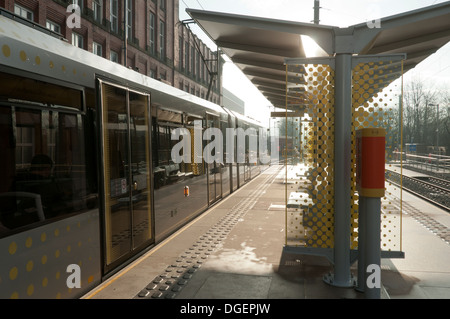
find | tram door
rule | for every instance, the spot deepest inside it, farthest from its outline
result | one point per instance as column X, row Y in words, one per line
column 125, row 131
column 214, row 169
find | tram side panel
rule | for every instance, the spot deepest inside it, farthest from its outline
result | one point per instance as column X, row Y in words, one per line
column 49, row 217
column 57, row 250
column 55, row 261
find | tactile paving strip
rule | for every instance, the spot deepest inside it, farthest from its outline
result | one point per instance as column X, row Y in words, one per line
column 437, row 228
column 429, row 223
column 177, row 275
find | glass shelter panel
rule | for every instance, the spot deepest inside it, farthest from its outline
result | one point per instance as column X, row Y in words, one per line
column 308, row 149
column 378, row 104
column 307, row 140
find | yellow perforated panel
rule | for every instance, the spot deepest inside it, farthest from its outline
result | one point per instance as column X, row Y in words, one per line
column 309, row 180
column 376, row 105
column 309, row 169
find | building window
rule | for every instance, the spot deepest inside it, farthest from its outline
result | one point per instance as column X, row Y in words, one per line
column 114, row 13
column 129, row 15
column 193, row 60
column 203, row 71
column 152, row 35
column 97, row 49
column 180, row 52
column 53, row 26
column 162, row 39
column 77, row 40
column 97, row 7
column 23, row 12
column 186, row 56
column 162, row 5
column 114, row 56
column 78, row 3
column 197, row 64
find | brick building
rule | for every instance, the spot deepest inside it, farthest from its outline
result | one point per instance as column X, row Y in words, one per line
column 158, row 44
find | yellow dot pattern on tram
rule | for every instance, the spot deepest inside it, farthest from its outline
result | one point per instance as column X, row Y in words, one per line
column 29, row 275
column 36, row 61
column 32, row 277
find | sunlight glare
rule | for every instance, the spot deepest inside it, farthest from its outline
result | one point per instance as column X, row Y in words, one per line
column 312, row 49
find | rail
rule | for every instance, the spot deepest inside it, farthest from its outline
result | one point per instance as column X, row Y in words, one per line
column 431, row 162
column 432, row 189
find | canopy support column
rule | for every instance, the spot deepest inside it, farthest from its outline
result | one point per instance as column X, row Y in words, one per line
column 342, row 276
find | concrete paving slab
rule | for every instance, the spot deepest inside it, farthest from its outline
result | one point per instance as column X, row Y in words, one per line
column 248, row 260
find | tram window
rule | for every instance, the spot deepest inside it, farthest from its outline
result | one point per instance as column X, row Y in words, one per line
column 19, row 89
column 43, row 167
column 165, row 145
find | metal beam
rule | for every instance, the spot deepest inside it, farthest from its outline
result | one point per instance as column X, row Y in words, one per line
column 266, row 75
column 287, row 114
column 254, row 48
column 269, row 84
column 271, row 90
column 262, row 64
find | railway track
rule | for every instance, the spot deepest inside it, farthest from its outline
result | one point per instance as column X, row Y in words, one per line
column 432, row 189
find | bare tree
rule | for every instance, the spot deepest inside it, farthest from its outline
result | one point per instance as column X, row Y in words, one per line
column 444, row 121
column 419, row 113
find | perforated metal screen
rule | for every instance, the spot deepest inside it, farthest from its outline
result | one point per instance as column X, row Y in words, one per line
column 375, row 103
column 310, row 187
column 309, row 149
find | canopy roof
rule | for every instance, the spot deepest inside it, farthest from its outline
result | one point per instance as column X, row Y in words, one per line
column 259, row 46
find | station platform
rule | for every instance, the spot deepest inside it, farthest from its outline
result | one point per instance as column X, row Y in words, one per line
column 235, row 251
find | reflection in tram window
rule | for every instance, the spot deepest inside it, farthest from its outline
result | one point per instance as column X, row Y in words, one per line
column 172, row 207
column 44, row 173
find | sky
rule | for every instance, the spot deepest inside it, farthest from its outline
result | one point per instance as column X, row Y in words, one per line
column 434, row 71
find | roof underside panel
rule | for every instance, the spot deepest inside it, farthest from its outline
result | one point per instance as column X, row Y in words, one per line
column 259, row 46
column 418, row 39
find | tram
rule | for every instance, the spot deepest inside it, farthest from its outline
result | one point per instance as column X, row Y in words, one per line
column 87, row 182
